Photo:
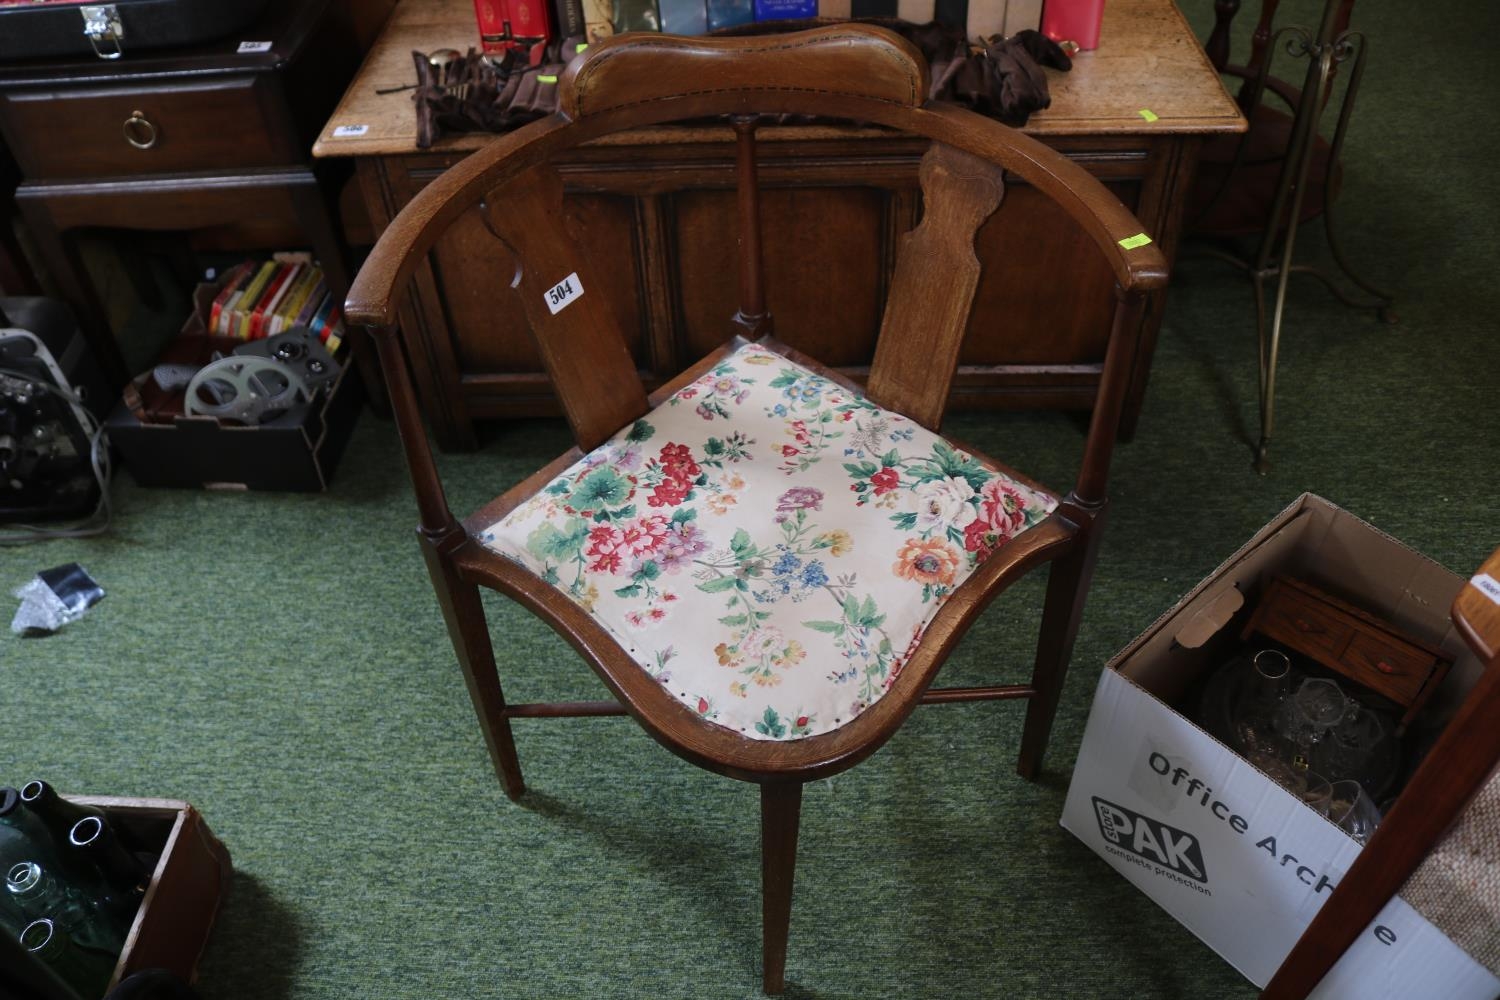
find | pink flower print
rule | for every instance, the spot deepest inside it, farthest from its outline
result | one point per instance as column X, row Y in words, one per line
column 800, row 498
column 641, row 537
column 1002, row 506
column 679, row 546
column 604, row 546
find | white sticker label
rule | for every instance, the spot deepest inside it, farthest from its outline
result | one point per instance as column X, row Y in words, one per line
column 348, row 131
column 254, row 47
column 1487, row 585
column 562, row 294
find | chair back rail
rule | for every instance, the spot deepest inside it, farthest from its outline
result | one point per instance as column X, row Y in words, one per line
column 380, row 287
column 932, row 290
column 838, row 61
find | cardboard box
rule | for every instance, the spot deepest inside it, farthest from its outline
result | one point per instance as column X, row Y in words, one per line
column 297, row 451
column 1238, row 860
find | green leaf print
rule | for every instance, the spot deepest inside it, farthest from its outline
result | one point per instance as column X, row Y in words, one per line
column 551, row 544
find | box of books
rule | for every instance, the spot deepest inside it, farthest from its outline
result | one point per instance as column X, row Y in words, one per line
column 253, row 394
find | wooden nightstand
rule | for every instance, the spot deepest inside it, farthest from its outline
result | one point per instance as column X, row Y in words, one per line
column 180, row 139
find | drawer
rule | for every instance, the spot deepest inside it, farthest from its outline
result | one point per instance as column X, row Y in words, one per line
column 103, row 132
column 1394, row 670
column 1309, row 628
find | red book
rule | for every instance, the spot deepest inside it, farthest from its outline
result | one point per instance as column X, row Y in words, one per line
column 515, row 24
column 494, row 34
column 269, row 298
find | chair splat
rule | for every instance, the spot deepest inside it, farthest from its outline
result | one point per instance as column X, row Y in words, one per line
column 752, row 319
column 932, row 290
column 573, row 324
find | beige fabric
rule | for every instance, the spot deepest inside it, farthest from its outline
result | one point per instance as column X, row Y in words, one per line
column 1457, row 888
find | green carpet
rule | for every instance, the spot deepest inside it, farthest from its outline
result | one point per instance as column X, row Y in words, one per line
column 278, row 661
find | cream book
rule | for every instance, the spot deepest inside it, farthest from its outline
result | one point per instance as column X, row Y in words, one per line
column 986, row 18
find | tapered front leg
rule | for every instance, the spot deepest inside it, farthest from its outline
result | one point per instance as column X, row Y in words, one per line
column 780, row 812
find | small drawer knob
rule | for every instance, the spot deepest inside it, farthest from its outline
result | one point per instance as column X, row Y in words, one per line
column 1384, row 667
column 139, row 131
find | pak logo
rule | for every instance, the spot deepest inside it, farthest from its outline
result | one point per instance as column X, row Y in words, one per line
column 1151, row 840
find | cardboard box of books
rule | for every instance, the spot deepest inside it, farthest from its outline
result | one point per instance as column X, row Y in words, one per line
column 252, row 429
column 1238, row 859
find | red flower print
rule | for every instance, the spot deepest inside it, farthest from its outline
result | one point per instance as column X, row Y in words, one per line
column 787, row 451
column 886, row 480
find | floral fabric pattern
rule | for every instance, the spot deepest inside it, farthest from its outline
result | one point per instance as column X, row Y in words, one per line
column 767, row 544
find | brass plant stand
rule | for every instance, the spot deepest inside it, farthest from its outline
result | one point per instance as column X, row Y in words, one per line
column 1333, row 45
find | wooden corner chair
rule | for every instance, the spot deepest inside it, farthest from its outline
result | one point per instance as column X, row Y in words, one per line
column 765, row 564
column 1461, row 771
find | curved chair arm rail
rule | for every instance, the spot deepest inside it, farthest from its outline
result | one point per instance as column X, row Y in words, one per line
column 859, row 88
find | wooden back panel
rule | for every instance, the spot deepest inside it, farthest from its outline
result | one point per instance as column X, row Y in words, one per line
column 574, row 326
column 932, row 290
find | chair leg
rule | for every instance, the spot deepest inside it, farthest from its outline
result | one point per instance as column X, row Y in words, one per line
column 1067, row 587
column 464, row 614
column 780, row 811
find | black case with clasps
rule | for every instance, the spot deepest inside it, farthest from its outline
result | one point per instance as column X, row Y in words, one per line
column 46, row 29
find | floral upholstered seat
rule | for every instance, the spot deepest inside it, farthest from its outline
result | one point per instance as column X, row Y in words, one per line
column 767, row 544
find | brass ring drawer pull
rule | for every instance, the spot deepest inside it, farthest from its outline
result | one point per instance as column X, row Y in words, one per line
column 139, row 131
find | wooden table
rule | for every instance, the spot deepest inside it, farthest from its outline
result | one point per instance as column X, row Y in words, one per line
column 660, row 203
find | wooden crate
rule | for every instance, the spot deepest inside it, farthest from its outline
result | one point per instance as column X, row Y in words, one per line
column 191, row 879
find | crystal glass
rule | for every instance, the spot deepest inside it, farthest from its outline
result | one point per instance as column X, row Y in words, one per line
column 1353, row 810
column 1317, row 793
column 1305, row 719
column 1354, row 746
column 1262, row 690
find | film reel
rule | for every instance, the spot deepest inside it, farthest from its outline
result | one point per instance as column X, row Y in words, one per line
column 245, row 388
column 301, row 351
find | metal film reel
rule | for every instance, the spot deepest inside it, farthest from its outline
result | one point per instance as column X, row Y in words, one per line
column 246, row 389
column 301, row 351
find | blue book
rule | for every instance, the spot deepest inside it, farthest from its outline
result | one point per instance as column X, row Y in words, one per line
column 684, row 17
column 729, row 13
column 785, row 10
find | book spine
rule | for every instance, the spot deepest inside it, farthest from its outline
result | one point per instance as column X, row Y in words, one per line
column 986, row 18
column 529, row 22
column 1022, row 15
column 493, row 33
column 730, row 13
column 636, row 15
column 570, row 22
column 785, row 10
column 598, row 19
column 232, row 283
column 915, row 11
column 684, row 17
column 294, row 300
column 314, row 302
column 236, row 325
column 261, row 325
column 953, row 13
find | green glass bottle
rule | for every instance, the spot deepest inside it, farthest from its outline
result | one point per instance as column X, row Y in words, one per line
column 36, row 893
column 56, row 813
column 22, row 836
column 121, row 876
column 85, row 970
